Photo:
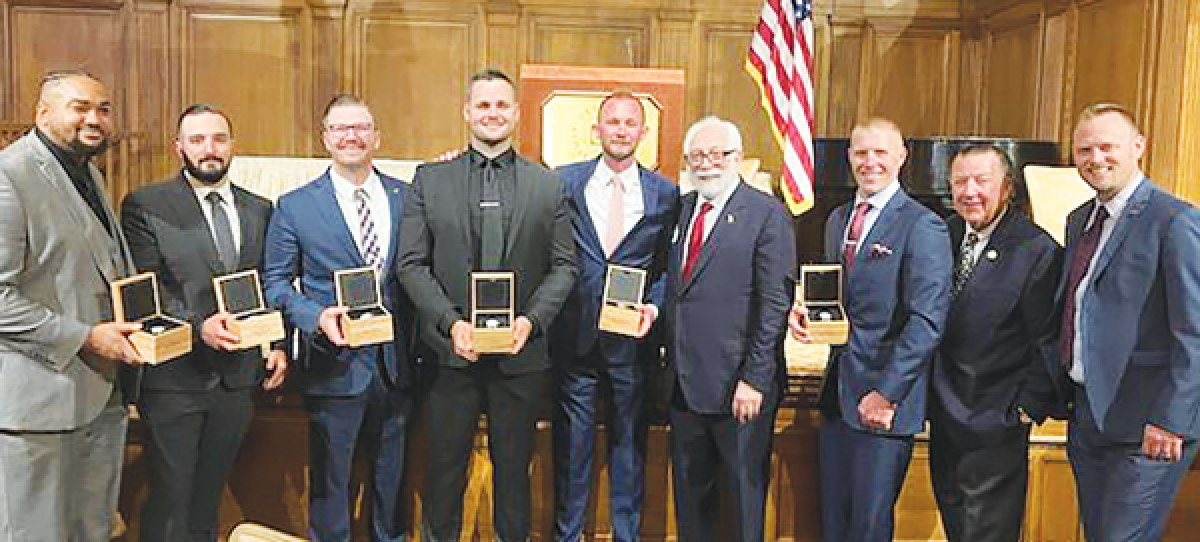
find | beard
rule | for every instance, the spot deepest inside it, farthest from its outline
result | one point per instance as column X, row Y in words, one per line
column 713, row 186
column 206, row 176
column 83, row 150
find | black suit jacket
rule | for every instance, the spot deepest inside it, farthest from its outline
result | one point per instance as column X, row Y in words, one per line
column 437, row 254
column 997, row 350
column 169, row 235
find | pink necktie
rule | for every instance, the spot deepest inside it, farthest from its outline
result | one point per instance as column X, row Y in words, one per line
column 616, row 215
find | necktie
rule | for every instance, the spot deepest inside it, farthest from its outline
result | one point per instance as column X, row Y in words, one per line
column 616, row 215
column 696, row 241
column 1085, row 249
column 491, row 240
column 366, row 228
column 226, row 250
column 855, row 234
column 966, row 262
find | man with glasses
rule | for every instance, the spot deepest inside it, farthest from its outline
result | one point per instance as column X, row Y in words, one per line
column 897, row 269
column 347, row 218
column 730, row 281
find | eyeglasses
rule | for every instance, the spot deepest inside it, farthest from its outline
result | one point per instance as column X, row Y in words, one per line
column 715, row 156
column 343, row 129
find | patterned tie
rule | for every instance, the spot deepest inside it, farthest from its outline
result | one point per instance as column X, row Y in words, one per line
column 1085, row 249
column 366, row 227
column 226, row 249
column 855, row 234
column 966, row 262
column 696, row 241
column 616, row 215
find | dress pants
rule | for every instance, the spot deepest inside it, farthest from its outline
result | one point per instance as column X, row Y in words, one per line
column 703, row 445
column 1123, row 495
column 192, row 440
column 579, row 389
column 861, row 476
column 979, row 480
column 451, row 413
column 60, row 486
column 378, row 416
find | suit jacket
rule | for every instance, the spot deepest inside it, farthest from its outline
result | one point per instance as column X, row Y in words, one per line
column 56, row 261
column 726, row 323
column 438, row 254
column 169, row 235
column 1138, row 319
column 644, row 247
column 993, row 355
column 308, row 238
column 896, row 298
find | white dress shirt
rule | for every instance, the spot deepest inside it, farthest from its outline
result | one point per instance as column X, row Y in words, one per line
column 1114, row 206
column 223, row 188
column 713, row 216
column 598, row 193
column 877, row 200
column 377, row 200
column 983, row 235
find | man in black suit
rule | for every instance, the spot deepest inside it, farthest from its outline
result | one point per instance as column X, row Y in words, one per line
column 989, row 374
column 189, row 229
column 486, row 210
column 730, row 280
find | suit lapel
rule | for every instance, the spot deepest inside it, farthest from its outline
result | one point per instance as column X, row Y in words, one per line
column 1075, row 223
column 834, row 236
column 252, row 226
column 183, row 204
column 999, row 243
column 527, row 180
column 729, row 214
column 883, row 224
column 396, row 201
column 330, row 210
column 590, row 237
column 1127, row 221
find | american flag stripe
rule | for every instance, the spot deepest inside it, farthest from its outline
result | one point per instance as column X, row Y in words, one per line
column 781, row 62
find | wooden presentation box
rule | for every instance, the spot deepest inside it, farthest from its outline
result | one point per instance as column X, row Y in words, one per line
column 492, row 310
column 162, row 337
column 623, row 290
column 367, row 322
column 240, row 294
column 821, row 294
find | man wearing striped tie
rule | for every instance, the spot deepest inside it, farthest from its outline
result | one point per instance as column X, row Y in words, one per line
column 347, row 218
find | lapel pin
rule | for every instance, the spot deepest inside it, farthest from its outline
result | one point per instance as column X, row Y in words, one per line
column 991, row 255
column 729, row 218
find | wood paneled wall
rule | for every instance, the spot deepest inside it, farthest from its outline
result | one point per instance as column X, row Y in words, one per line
column 939, row 67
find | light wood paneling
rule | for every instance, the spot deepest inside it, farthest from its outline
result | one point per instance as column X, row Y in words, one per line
column 96, row 44
column 577, row 40
column 1012, row 68
column 412, row 70
column 1110, row 56
column 251, row 66
column 843, row 80
column 913, row 79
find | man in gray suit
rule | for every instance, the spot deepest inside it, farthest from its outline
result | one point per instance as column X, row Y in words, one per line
column 62, row 419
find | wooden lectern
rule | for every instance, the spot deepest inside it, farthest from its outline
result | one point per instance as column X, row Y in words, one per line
column 558, row 110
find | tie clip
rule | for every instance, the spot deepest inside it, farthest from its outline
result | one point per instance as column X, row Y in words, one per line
column 488, row 204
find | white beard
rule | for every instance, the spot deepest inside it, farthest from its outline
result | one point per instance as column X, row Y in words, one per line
column 712, row 187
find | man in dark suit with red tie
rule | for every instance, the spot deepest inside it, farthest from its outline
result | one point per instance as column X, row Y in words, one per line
column 196, row 408
column 988, row 376
column 730, row 281
column 624, row 214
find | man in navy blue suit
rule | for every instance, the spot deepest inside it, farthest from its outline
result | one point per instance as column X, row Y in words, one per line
column 988, row 377
column 1130, row 340
column 896, row 289
column 621, row 214
column 347, row 218
column 730, row 281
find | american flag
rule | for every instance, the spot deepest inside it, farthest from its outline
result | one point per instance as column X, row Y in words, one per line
column 781, row 62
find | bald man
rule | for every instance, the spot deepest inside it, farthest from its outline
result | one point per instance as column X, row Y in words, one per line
column 896, row 290
column 62, row 418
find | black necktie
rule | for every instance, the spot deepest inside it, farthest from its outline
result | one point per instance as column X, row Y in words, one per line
column 226, row 250
column 491, row 237
column 966, row 262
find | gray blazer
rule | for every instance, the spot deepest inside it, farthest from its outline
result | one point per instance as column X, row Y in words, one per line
column 56, row 261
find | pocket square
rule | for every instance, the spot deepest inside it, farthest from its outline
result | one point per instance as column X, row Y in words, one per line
column 880, row 250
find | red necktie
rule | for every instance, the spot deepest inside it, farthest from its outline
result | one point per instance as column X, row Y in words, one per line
column 696, row 241
column 1080, row 260
column 855, row 234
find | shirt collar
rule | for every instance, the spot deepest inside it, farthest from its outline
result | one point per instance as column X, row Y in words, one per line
column 345, row 188
column 66, row 157
column 222, row 187
column 629, row 177
column 719, row 202
column 1121, row 199
column 505, row 158
column 986, row 233
column 879, row 199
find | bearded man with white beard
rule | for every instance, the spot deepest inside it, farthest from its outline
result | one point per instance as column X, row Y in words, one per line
column 730, row 281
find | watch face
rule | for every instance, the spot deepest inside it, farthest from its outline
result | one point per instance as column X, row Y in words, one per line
column 492, row 321
column 359, row 288
column 624, row 285
column 821, row 286
column 824, row 316
column 241, row 294
column 137, row 299
column 493, row 294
